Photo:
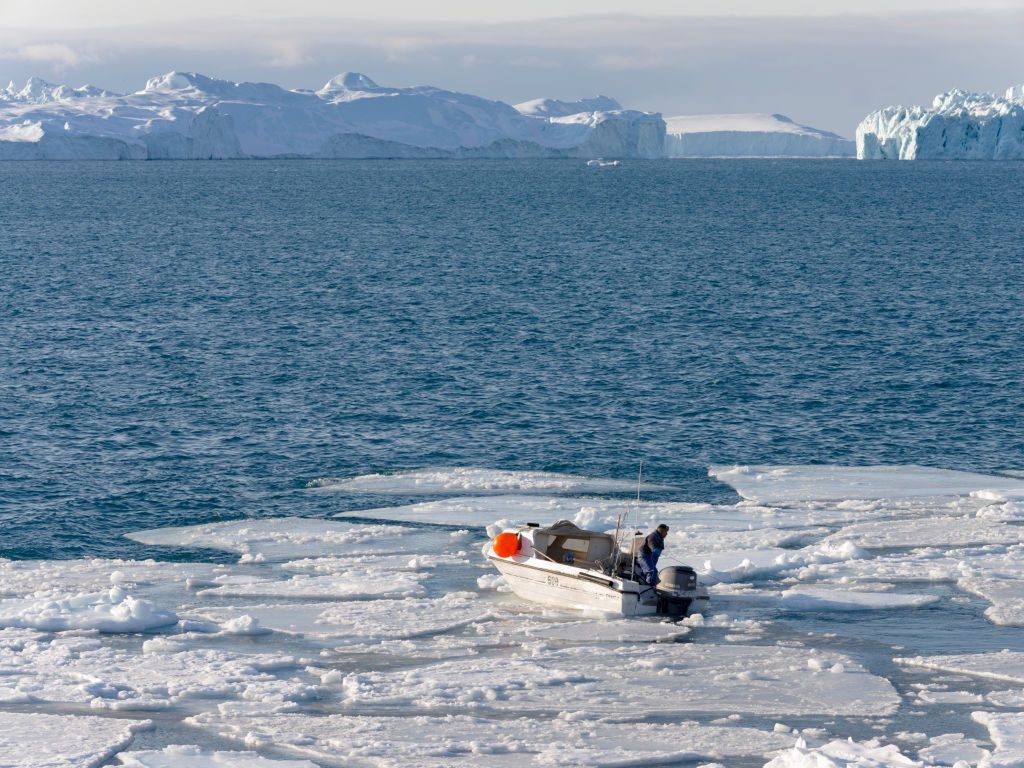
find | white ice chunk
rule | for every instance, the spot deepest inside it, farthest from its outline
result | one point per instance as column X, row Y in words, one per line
column 110, row 611
column 782, row 484
column 929, row 532
column 34, row 740
column 65, row 578
column 825, row 599
column 950, row 748
column 928, row 696
column 191, row 756
column 442, row 742
column 350, row 584
column 476, row 480
column 843, row 754
column 750, row 679
column 289, row 538
column 760, row 564
column 1004, row 665
column 1006, row 729
column 361, row 622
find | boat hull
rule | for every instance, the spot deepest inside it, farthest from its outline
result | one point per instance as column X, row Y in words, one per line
column 562, row 586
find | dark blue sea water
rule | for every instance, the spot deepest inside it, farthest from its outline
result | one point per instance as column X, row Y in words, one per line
column 186, row 342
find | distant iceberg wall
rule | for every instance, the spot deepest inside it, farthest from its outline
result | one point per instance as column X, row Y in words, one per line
column 959, row 125
column 750, row 135
column 184, row 115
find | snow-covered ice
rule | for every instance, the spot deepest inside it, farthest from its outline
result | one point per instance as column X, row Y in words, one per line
column 446, row 480
column 111, row 611
column 749, row 679
column 440, row 742
column 353, row 583
column 191, row 756
column 843, row 754
column 1007, row 666
column 959, row 125
column 360, row 621
column 292, row 538
column 800, row 483
column 750, row 135
column 928, row 532
column 38, row 740
column 1006, row 729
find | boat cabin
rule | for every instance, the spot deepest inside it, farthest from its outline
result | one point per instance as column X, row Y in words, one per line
column 568, row 544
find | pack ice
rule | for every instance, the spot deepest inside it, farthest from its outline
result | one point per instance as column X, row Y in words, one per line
column 185, row 115
column 750, row 135
column 959, row 125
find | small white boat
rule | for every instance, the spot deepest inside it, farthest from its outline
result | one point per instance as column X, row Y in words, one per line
column 603, row 163
column 569, row 567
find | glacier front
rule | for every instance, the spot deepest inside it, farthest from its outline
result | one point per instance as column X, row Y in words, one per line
column 958, row 126
column 184, row 115
column 750, row 135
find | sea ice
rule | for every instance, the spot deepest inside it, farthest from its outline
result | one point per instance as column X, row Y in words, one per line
column 442, row 742
column 950, row 748
column 795, row 483
column 111, row 611
column 291, row 538
column 35, row 740
column 1006, row 729
column 750, row 135
column 349, row 584
column 843, row 754
column 474, row 480
column 824, row 599
column 191, row 756
column 929, row 532
column 761, row 564
column 746, row 679
column 66, row 578
column 1002, row 665
column 361, row 621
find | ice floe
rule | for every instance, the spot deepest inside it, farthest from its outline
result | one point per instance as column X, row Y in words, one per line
column 350, row 584
column 360, row 621
column 747, row 679
column 929, row 532
column 1006, row 729
column 191, row 756
column 111, row 611
column 1003, row 665
column 83, row 671
column 291, row 538
column 843, row 754
column 475, row 480
column 36, row 740
column 442, row 742
column 825, row 599
column 795, row 483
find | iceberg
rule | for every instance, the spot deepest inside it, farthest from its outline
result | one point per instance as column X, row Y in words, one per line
column 750, row 135
column 959, row 125
column 185, row 115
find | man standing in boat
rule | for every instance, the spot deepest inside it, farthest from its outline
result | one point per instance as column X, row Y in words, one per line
column 650, row 551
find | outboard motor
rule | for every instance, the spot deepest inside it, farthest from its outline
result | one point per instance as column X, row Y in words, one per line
column 676, row 585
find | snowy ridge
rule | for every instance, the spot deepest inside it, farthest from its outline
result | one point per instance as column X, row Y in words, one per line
column 959, row 125
column 186, row 115
column 749, row 135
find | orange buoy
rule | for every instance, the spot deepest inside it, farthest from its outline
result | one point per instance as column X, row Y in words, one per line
column 505, row 544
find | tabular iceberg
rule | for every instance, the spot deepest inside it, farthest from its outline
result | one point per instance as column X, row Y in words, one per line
column 750, row 135
column 958, row 126
column 184, row 115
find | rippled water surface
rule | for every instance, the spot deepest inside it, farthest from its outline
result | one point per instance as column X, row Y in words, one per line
column 185, row 342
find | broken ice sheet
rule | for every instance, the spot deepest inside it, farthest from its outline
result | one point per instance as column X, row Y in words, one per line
column 35, row 740
column 361, row 621
column 746, row 679
column 795, row 483
column 76, row 670
column 1004, row 665
column 440, row 742
column 477, row 480
column 928, row 532
column 191, row 756
column 1006, row 729
column 350, row 584
column 292, row 538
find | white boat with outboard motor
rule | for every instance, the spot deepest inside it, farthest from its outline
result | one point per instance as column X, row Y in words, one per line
column 569, row 567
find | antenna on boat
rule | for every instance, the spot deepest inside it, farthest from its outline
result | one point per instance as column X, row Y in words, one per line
column 636, row 520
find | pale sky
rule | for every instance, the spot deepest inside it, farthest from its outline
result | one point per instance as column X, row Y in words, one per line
column 825, row 63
